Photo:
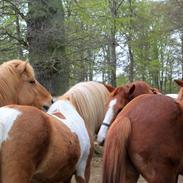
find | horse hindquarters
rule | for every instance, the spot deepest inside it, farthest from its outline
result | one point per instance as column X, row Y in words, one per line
column 62, row 155
column 116, row 167
column 24, row 149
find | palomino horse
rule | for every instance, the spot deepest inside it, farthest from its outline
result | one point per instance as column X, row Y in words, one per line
column 146, row 138
column 38, row 147
column 118, row 99
column 89, row 99
column 18, row 85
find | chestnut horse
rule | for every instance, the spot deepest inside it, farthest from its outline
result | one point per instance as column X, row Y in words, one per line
column 41, row 147
column 18, row 85
column 178, row 96
column 118, row 99
column 146, row 138
column 89, row 99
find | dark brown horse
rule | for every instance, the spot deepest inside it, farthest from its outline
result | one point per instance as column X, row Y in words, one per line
column 118, row 99
column 146, row 138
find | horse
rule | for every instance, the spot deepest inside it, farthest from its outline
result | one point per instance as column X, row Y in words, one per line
column 89, row 98
column 18, row 85
column 172, row 95
column 39, row 147
column 118, row 99
column 178, row 96
column 146, row 138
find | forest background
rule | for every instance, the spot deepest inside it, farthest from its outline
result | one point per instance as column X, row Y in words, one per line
column 111, row 41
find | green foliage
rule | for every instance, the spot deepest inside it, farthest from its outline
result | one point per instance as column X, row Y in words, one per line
column 151, row 30
column 121, row 80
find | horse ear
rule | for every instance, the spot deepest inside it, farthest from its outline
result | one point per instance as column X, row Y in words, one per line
column 179, row 82
column 131, row 90
column 109, row 88
column 21, row 66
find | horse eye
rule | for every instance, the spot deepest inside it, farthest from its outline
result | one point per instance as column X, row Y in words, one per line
column 32, row 81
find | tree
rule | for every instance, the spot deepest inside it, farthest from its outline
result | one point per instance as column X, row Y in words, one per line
column 12, row 29
column 46, row 39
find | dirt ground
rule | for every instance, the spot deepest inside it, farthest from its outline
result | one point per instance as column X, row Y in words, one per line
column 96, row 172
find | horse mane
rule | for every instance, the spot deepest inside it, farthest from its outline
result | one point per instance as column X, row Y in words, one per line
column 114, row 158
column 10, row 78
column 89, row 99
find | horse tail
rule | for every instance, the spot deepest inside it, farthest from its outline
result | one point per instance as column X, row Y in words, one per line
column 114, row 159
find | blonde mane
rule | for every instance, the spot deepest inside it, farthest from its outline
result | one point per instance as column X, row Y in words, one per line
column 10, row 78
column 89, row 99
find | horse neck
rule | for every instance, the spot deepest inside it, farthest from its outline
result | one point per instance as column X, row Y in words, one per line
column 89, row 102
column 8, row 87
column 141, row 88
column 71, row 118
column 180, row 95
column 89, row 99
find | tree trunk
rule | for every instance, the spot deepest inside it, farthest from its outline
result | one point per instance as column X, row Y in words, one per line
column 19, row 47
column 45, row 36
column 131, row 65
column 112, row 42
column 182, row 53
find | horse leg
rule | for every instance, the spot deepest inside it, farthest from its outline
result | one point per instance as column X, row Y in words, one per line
column 162, row 174
column 88, row 166
column 16, row 172
column 132, row 175
column 80, row 179
column 86, row 178
column 67, row 181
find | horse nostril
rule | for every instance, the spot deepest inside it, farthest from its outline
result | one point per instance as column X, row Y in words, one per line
column 45, row 107
column 52, row 101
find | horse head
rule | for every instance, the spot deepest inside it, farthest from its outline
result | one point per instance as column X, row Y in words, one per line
column 27, row 90
column 117, row 100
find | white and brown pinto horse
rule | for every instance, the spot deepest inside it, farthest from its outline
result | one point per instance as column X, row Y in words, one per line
column 118, row 99
column 89, row 98
column 18, row 85
column 40, row 147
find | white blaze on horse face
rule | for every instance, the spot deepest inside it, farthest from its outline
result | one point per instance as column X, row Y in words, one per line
column 76, row 124
column 7, row 118
column 107, row 120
